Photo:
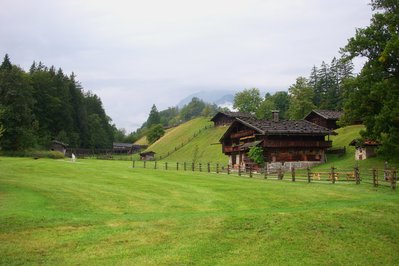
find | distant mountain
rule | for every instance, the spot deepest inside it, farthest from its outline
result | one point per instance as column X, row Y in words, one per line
column 220, row 98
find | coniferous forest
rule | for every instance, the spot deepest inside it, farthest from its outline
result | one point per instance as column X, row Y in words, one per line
column 45, row 104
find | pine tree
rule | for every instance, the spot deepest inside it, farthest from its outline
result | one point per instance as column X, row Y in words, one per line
column 153, row 118
column 16, row 102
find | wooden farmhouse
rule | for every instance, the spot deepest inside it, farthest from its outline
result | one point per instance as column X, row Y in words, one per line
column 227, row 118
column 324, row 118
column 283, row 142
column 147, row 156
column 364, row 149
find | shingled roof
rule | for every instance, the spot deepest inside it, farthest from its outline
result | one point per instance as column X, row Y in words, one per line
column 329, row 114
column 299, row 127
column 233, row 115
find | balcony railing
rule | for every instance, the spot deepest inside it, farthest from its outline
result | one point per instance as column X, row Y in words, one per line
column 285, row 144
column 231, row 148
column 299, row 144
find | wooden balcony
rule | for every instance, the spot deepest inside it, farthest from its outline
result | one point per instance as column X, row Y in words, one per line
column 243, row 133
column 297, row 144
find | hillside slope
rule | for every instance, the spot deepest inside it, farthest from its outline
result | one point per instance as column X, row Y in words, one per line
column 179, row 136
column 142, row 141
column 195, row 140
column 203, row 148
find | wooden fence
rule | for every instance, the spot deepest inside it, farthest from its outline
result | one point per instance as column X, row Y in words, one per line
column 375, row 177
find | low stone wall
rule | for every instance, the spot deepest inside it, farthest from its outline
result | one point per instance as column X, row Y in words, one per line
column 273, row 167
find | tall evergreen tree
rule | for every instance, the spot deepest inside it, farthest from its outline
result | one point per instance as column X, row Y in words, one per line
column 153, row 118
column 16, row 102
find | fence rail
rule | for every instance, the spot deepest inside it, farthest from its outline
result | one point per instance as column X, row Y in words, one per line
column 375, row 177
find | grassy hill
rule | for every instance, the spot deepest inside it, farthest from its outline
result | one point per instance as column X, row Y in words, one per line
column 205, row 147
column 179, row 136
column 92, row 212
column 196, row 140
column 142, row 141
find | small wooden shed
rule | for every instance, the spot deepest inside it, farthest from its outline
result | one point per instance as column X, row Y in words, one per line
column 364, row 148
column 58, row 146
column 147, row 156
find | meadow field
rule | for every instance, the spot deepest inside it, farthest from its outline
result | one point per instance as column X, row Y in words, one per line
column 105, row 212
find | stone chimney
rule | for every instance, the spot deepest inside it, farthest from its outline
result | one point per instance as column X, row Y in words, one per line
column 275, row 115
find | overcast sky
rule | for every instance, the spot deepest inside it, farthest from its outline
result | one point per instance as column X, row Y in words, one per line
column 137, row 53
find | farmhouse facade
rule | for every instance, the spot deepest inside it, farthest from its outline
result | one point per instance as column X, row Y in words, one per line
column 281, row 141
column 324, row 118
column 227, row 118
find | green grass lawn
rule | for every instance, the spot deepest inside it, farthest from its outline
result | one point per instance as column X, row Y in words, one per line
column 104, row 212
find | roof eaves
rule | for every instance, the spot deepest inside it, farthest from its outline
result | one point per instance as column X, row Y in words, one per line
column 251, row 126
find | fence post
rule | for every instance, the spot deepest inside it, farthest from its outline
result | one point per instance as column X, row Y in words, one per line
column 357, row 175
column 192, row 166
column 309, row 174
column 228, row 169
column 209, row 167
column 250, row 171
column 333, row 174
column 166, row 166
column 386, row 171
column 133, row 163
column 200, row 167
column 217, row 168
column 155, row 165
column 293, row 173
column 393, row 179
column 375, row 180
column 177, row 166
column 145, row 163
column 265, row 172
column 280, row 174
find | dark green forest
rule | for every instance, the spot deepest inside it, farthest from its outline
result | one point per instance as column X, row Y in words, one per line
column 45, row 104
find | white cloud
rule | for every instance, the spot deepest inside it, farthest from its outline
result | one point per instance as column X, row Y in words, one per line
column 136, row 53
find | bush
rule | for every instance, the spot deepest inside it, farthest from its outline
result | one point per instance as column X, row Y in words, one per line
column 155, row 133
column 34, row 154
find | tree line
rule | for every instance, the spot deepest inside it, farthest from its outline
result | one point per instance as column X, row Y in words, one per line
column 324, row 89
column 45, row 104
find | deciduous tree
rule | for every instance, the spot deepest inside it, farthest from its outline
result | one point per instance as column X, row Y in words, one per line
column 247, row 101
column 373, row 95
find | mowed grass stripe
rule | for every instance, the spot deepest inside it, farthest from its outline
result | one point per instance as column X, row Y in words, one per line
column 105, row 212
